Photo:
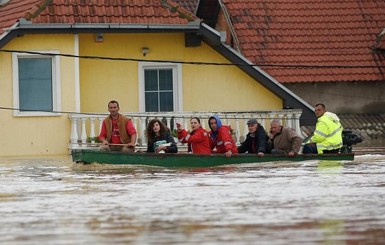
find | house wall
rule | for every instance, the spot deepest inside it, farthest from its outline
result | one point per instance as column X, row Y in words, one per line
column 205, row 87
column 343, row 97
column 42, row 135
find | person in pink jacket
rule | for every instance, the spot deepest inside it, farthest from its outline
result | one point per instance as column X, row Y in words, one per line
column 198, row 139
column 220, row 137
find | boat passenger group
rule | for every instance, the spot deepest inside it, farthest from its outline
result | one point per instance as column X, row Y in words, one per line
column 119, row 134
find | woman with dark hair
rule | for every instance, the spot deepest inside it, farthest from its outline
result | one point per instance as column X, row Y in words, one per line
column 159, row 139
column 198, row 139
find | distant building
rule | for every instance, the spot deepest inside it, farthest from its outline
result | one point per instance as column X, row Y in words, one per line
column 326, row 51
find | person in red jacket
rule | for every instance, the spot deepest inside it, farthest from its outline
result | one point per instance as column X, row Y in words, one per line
column 220, row 137
column 198, row 140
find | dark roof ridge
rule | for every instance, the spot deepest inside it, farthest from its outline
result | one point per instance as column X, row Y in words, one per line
column 380, row 40
column 4, row 2
column 175, row 7
column 37, row 9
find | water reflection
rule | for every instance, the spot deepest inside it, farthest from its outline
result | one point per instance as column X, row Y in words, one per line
column 330, row 166
column 53, row 201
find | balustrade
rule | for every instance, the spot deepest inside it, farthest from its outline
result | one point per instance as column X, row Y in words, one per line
column 84, row 133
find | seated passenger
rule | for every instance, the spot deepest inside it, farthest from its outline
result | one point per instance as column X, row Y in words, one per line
column 159, row 139
column 327, row 137
column 118, row 133
column 221, row 138
column 198, row 139
column 256, row 139
column 283, row 140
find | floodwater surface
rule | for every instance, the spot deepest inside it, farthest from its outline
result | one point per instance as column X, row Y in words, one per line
column 53, row 201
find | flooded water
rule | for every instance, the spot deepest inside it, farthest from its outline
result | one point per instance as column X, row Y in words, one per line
column 53, row 201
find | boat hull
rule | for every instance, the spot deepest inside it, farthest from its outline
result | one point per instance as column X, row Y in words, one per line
column 191, row 160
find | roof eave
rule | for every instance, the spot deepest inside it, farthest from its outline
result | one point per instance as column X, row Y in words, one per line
column 27, row 27
column 192, row 25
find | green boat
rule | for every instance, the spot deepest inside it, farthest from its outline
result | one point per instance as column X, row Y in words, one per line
column 186, row 160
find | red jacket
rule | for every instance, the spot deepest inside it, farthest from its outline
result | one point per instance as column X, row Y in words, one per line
column 198, row 140
column 223, row 141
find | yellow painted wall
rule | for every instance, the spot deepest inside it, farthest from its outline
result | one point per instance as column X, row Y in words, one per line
column 105, row 80
column 222, row 88
column 205, row 87
column 36, row 136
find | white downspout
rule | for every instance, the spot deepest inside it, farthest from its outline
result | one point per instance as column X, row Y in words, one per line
column 77, row 73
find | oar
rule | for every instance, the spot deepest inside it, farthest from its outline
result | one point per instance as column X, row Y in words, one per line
column 307, row 138
column 120, row 145
column 304, row 142
column 110, row 144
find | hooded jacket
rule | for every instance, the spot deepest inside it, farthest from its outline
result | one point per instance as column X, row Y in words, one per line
column 328, row 133
column 221, row 139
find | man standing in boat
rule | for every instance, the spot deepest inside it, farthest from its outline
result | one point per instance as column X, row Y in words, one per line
column 221, row 138
column 327, row 137
column 118, row 132
column 283, row 140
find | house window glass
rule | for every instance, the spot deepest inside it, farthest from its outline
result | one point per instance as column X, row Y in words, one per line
column 159, row 92
column 35, row 84
column 160, row 87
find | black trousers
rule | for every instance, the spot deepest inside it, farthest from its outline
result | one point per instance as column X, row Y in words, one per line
column 312, row 149
column 331, row 151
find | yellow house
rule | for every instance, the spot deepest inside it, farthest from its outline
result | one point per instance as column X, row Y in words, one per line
column 61, row 58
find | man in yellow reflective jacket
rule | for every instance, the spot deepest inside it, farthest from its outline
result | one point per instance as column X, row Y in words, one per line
column 327, row 137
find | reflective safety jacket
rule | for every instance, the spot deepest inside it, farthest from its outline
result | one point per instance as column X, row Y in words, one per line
column 328, row 133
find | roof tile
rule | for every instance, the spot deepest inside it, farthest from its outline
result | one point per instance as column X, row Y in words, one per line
column 312, row 33
column 14, row 10
column 101, row 11
column 191, row 5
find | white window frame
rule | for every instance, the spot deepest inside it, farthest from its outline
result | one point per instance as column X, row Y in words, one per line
column 177, row 83
column 56, row 88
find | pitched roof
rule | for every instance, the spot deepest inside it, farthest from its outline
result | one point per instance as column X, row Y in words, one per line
column 11, row 11
column 314, row 36
column 191, row 5
column 102, row 11
column 74, row 16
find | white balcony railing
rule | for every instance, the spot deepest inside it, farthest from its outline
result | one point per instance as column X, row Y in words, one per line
column 85, row 127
